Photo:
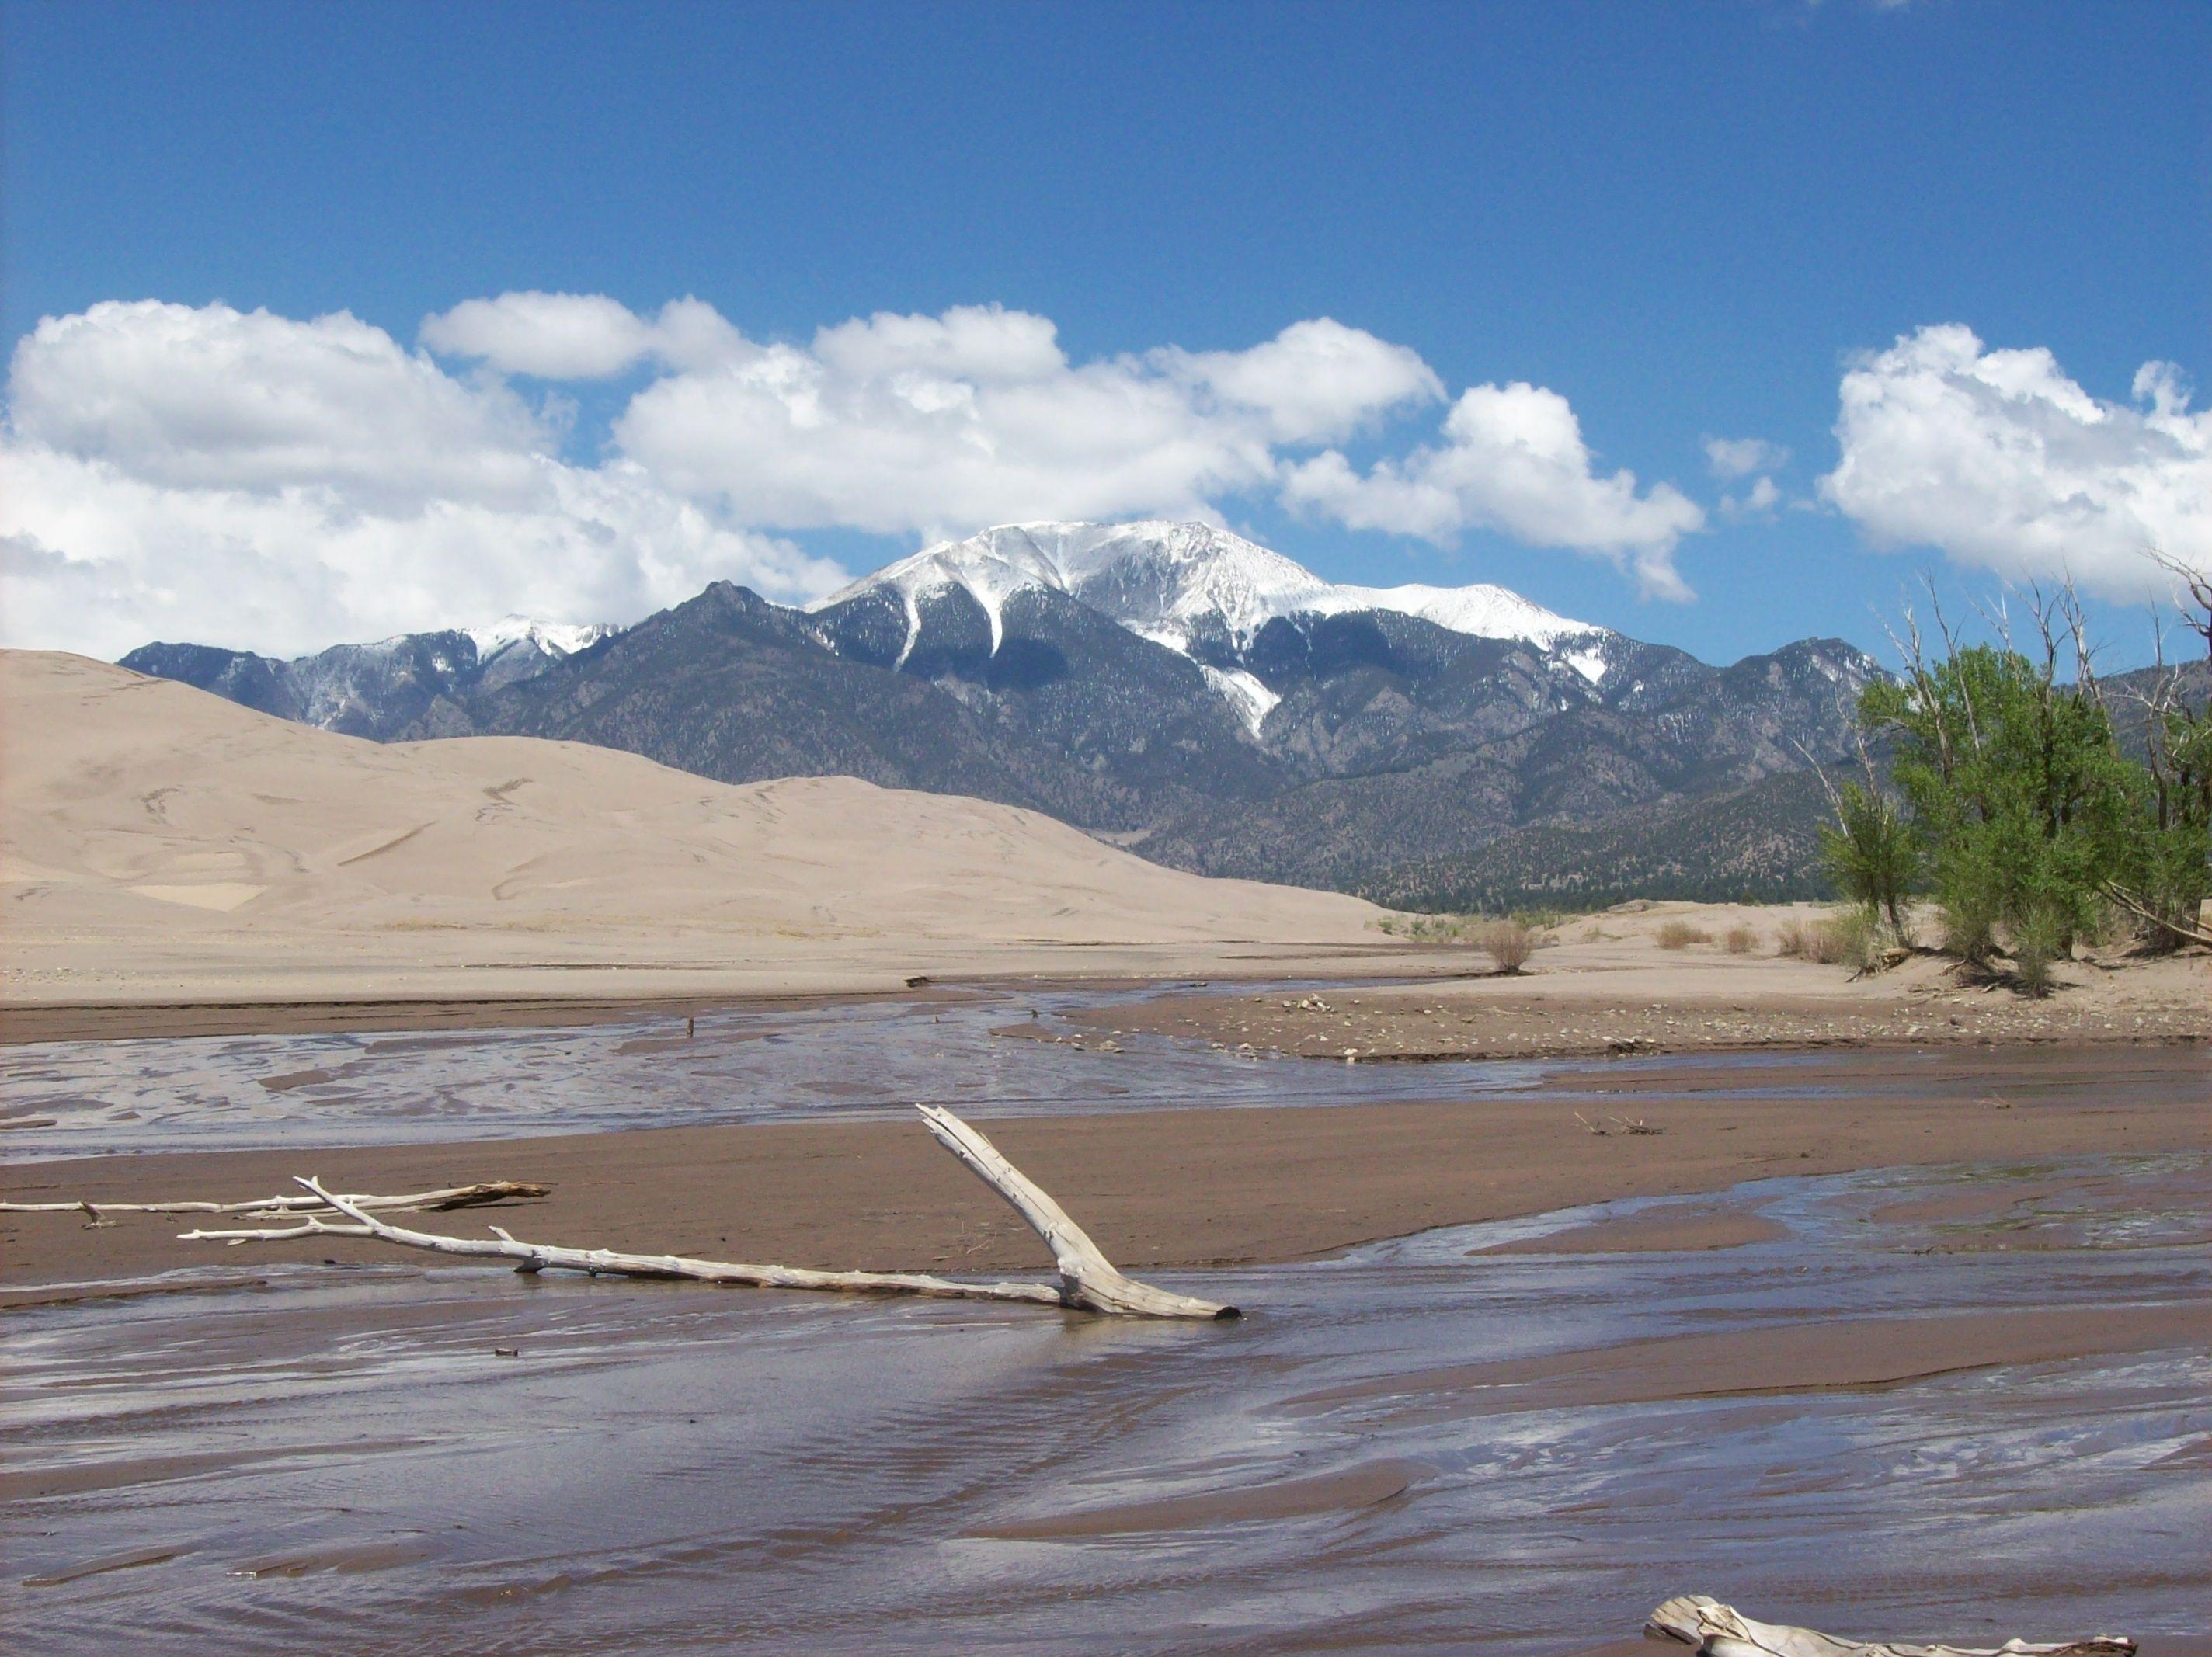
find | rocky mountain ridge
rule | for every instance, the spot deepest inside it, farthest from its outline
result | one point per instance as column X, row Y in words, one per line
column 1170, row 687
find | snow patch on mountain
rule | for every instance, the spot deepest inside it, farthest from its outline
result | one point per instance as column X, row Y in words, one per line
column 1243, row 692
column 1484, row 611
column 1591, row 663
column 1178, row 582
column 548, row 638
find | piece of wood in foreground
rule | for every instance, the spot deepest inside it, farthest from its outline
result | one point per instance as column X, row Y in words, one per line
column 1088, row 1280
column 1719, row 1630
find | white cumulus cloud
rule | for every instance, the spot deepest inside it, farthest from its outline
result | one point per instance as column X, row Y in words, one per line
column 943, row 424
column 250, row 479
column 1316, row 381
column 579, row 335
column 1512, row 459
column 1999, row 459
column 210, row 396
column 246, row 479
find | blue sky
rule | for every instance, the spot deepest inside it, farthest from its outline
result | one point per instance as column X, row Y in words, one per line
column 1687, row 222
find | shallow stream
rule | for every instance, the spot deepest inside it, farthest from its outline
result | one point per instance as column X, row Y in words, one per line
column 350, row 1459
column 984, row 1054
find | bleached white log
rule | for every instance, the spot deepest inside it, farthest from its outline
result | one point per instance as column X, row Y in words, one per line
column 1718, row 1630
column 1088, row 1280
column 607, row 1262
column 459, row 1196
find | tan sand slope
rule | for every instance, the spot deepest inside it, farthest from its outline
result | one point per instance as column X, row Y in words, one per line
column 146, row 822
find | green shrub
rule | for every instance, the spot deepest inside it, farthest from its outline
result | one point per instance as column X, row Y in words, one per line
column 1968, row 933
column 1873, row 854
column 2038, row 938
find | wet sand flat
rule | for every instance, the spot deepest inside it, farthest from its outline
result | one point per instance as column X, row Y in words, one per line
column 1664, row 1233
column 1847, row 1355
column 1158, row 1187
column 1416, row 1444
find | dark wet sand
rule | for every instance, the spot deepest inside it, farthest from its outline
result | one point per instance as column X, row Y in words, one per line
column 1667, row 1232
column 1174, row 1187
column 1834, row 1355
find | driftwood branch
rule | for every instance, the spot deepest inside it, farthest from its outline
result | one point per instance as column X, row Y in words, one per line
column 1088, row 1280
column 459, row 1196
column 1717, row 1630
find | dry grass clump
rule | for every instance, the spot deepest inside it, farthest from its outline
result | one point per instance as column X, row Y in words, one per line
column 1510, row 942
column 1849, row 937
column 1679, row 935
column 1852, row 937
column 1510, row 939
column 1742, row 938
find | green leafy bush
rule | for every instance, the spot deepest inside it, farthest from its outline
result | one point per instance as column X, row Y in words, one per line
column 2020, row 804
column 1873, row 854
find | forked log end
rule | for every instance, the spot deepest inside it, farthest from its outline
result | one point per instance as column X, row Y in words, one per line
column 1713, row 1630
column 1088, row 1279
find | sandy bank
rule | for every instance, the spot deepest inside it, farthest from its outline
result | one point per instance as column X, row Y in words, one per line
column 1605, row 986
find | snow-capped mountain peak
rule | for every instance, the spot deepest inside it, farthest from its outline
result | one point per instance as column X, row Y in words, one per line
column 547, row 638
column 1177, row 583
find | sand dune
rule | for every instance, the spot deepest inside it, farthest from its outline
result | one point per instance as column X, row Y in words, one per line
column 154, row 834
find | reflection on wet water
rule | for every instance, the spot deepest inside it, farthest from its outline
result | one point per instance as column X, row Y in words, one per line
column 985, row 1053
column 347, row 1463
column 878, row 1058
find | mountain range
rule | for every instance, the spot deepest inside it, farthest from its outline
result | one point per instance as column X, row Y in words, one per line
column 1179, row 690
